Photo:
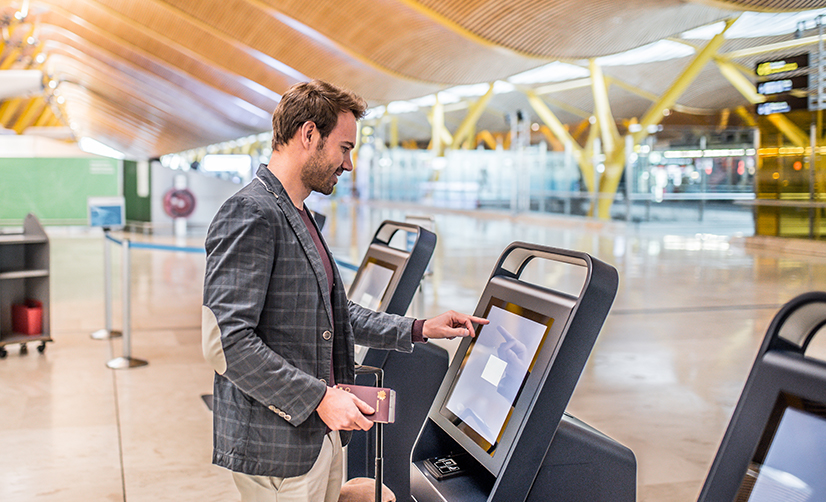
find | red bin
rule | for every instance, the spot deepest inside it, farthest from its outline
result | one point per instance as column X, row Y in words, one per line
column 27, row 319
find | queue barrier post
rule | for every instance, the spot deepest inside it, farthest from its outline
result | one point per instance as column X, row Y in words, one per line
column 126, row 360
column 107, row 332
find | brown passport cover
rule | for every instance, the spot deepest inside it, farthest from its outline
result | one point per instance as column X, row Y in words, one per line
column 382, row 399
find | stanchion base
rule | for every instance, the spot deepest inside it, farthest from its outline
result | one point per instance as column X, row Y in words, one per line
column 105, row 334
column 122, row 363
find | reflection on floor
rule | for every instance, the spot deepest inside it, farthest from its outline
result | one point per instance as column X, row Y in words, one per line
column 663, row 378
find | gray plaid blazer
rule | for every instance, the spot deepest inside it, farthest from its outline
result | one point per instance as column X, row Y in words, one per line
column 270, row 335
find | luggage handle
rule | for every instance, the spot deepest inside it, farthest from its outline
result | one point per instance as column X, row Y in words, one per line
column 379, row 374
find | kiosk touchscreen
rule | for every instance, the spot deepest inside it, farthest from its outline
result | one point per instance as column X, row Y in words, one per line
column 496, row 367
column 775, row 445
column 373, row 281
column 490, row 433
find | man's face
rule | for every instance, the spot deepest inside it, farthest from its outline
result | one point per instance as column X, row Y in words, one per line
column 331, row 157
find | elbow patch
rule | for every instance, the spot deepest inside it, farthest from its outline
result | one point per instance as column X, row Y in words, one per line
column 211, row 341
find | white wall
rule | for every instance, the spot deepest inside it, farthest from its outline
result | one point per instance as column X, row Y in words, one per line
column 25, row 146
column 209, row 193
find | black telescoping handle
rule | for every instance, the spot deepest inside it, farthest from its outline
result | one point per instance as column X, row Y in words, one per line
column 379, row 468
column 796, row 324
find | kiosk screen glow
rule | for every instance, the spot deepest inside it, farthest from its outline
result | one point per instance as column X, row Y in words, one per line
column 493, row 373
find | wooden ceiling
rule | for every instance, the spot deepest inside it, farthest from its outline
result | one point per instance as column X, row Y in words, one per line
column 150, row 77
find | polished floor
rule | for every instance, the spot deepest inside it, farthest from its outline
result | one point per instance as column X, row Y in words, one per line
column 663, row 378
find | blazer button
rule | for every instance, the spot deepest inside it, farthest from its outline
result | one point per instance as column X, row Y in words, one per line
column 324, row 381
column 287, row 418
column 274, row 409
column 326, row 335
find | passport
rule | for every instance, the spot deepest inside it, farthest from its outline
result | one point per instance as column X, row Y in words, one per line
column 382, row 399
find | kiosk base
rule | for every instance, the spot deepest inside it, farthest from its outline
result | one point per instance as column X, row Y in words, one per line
column 581, row 464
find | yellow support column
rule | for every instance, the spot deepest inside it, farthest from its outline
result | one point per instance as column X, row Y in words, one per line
column 556, row 145
column 610, row 135
column 564, row 136
column 747, row 117
column 29, row 115
column 472, row 117
column 15, row 53
column 612, row 144
column 8, row 110
column 394, row 132
column 44, row 118
column 440, row 137
column 739, row 81
column 486, row 137
column 655, row 114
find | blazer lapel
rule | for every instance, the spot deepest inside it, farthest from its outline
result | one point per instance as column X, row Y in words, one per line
column 310, row 250
column 303, row 235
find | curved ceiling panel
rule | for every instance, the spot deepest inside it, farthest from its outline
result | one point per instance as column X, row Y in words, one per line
column 405, row 41
column 283, row 47
column 150, row 77
column 767, row 5
column 572, row 29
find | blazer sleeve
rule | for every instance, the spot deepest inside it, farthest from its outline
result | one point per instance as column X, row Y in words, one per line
column 381, row 330
column 240, row 249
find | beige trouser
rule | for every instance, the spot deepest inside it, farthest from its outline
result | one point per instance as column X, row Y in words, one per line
column 323, row 482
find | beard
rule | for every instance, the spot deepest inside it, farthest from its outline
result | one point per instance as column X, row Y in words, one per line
column 319, row 175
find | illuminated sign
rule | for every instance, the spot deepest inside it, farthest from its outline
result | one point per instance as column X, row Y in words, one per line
column 780, row 86
column 775, row 66
column 784, row 105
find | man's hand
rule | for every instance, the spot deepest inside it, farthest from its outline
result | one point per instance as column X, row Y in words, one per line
column 342, row 411
column 450, row 325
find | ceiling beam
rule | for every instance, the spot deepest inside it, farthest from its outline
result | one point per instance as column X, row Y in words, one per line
column 259, row 94
column 151, row 84
column 654, row 115
column 290, row 23
column 463, row 32
column 472, row 117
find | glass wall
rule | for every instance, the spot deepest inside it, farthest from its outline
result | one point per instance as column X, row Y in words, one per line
column 676, row 174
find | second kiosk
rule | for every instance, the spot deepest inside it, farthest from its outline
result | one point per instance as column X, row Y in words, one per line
column 387, row 281
column 496, row 430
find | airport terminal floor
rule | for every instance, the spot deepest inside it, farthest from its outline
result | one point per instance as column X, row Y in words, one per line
column 664, row 376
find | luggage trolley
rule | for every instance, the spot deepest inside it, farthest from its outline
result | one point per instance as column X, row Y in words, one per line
column 774, row 446
column 497, row 430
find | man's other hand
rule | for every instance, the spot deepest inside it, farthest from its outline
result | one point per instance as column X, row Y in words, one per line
column 450, row 325
column 342, row 411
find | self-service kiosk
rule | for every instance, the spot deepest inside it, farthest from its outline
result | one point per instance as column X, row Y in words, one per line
column 386, row 281
column 775, row 446
column 497, row 430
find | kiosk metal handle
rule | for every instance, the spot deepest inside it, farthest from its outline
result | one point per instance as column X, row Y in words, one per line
column 388, row 229
column 517, row 255
column 796, row 324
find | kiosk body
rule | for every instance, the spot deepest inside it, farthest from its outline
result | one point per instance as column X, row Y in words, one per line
column 386, row 281
column 774, row 446
column 388, row 277
column 496, row 430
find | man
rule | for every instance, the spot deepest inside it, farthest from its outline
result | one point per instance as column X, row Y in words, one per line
column 277, row 326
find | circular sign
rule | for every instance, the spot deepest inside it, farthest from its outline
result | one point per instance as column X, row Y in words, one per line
column 179, row 203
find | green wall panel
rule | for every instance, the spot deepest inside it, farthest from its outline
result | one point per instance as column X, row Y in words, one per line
column 55, row 190
column 137, row 208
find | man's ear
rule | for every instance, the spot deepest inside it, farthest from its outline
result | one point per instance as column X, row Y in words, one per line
column 306, row 132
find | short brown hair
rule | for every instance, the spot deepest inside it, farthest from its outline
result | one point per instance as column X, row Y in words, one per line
column 315, row 101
